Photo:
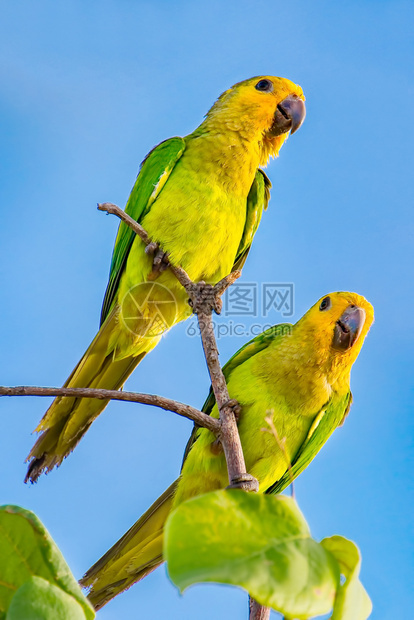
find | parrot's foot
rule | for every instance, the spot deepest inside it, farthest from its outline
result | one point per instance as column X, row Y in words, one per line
column 216, row 447
column 204, row 298
column 160, row 260
column 244, row 482
column 235, row 407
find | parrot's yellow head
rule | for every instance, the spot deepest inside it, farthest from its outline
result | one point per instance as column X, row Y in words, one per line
column 335, row 329
column 262, row 110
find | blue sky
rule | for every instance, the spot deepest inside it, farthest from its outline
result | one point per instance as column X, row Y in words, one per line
column 86, row 89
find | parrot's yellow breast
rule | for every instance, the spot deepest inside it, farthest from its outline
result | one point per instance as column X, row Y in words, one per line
column 205, row 198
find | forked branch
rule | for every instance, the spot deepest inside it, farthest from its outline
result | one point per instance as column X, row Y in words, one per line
column 204, row 299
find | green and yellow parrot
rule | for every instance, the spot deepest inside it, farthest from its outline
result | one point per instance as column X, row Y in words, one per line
column 300, row 376
column 200, row 198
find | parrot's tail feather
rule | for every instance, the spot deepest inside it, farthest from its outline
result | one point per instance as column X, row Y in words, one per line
column 102, row 597
column 134, row 556
column 68, row 418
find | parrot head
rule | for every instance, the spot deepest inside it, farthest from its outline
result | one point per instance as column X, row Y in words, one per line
column 263, row 109
column 335, row 328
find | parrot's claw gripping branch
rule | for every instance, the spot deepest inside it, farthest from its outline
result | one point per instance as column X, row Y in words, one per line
column 236, row 407
column 160, row 261
column 204, row 299
column 245, row 482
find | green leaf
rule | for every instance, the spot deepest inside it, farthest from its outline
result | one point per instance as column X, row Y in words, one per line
column 352, row 601
column 259, row 542
column 37, row 599
column 26, row 551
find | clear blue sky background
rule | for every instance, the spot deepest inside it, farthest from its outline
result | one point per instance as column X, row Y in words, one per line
column 87, row 88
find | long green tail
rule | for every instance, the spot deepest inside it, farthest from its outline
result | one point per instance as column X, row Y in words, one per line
column 68, row 419
column 134, row 556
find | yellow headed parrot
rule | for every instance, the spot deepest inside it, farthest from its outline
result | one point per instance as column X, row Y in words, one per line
column 201, row 199
column 300, row 375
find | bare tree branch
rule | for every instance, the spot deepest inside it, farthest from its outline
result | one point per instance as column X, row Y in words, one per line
column 204, row 298
column 168, row 404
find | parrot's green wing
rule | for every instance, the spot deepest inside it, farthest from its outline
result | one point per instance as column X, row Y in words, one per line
column 327, row 420
column 260, row 342
column 257, row 344
column 154, row 172
column 257, row 202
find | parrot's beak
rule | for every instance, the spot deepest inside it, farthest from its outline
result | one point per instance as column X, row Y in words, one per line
column 348, row 327
column 289, row 116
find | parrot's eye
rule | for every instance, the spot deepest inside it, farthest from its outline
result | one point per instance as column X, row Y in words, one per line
column 265, row 86
column 325, row 303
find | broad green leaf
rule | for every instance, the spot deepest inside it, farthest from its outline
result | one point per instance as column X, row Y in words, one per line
column 259, row 542
column 37, row 599
column 352, row 601
column 27, row 550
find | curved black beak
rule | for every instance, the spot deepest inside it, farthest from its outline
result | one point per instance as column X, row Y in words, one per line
column 290, row 114
column 348, row 327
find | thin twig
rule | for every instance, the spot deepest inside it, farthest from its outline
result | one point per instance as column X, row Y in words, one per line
column 109, row 207
column 224, row 284
column 281, row 443
column 168, row 404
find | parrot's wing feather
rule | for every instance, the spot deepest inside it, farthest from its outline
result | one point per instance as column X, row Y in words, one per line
column 257, row 201
column 326, row 421
column 252, row 347
column 154, row 172
column 257, row 344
